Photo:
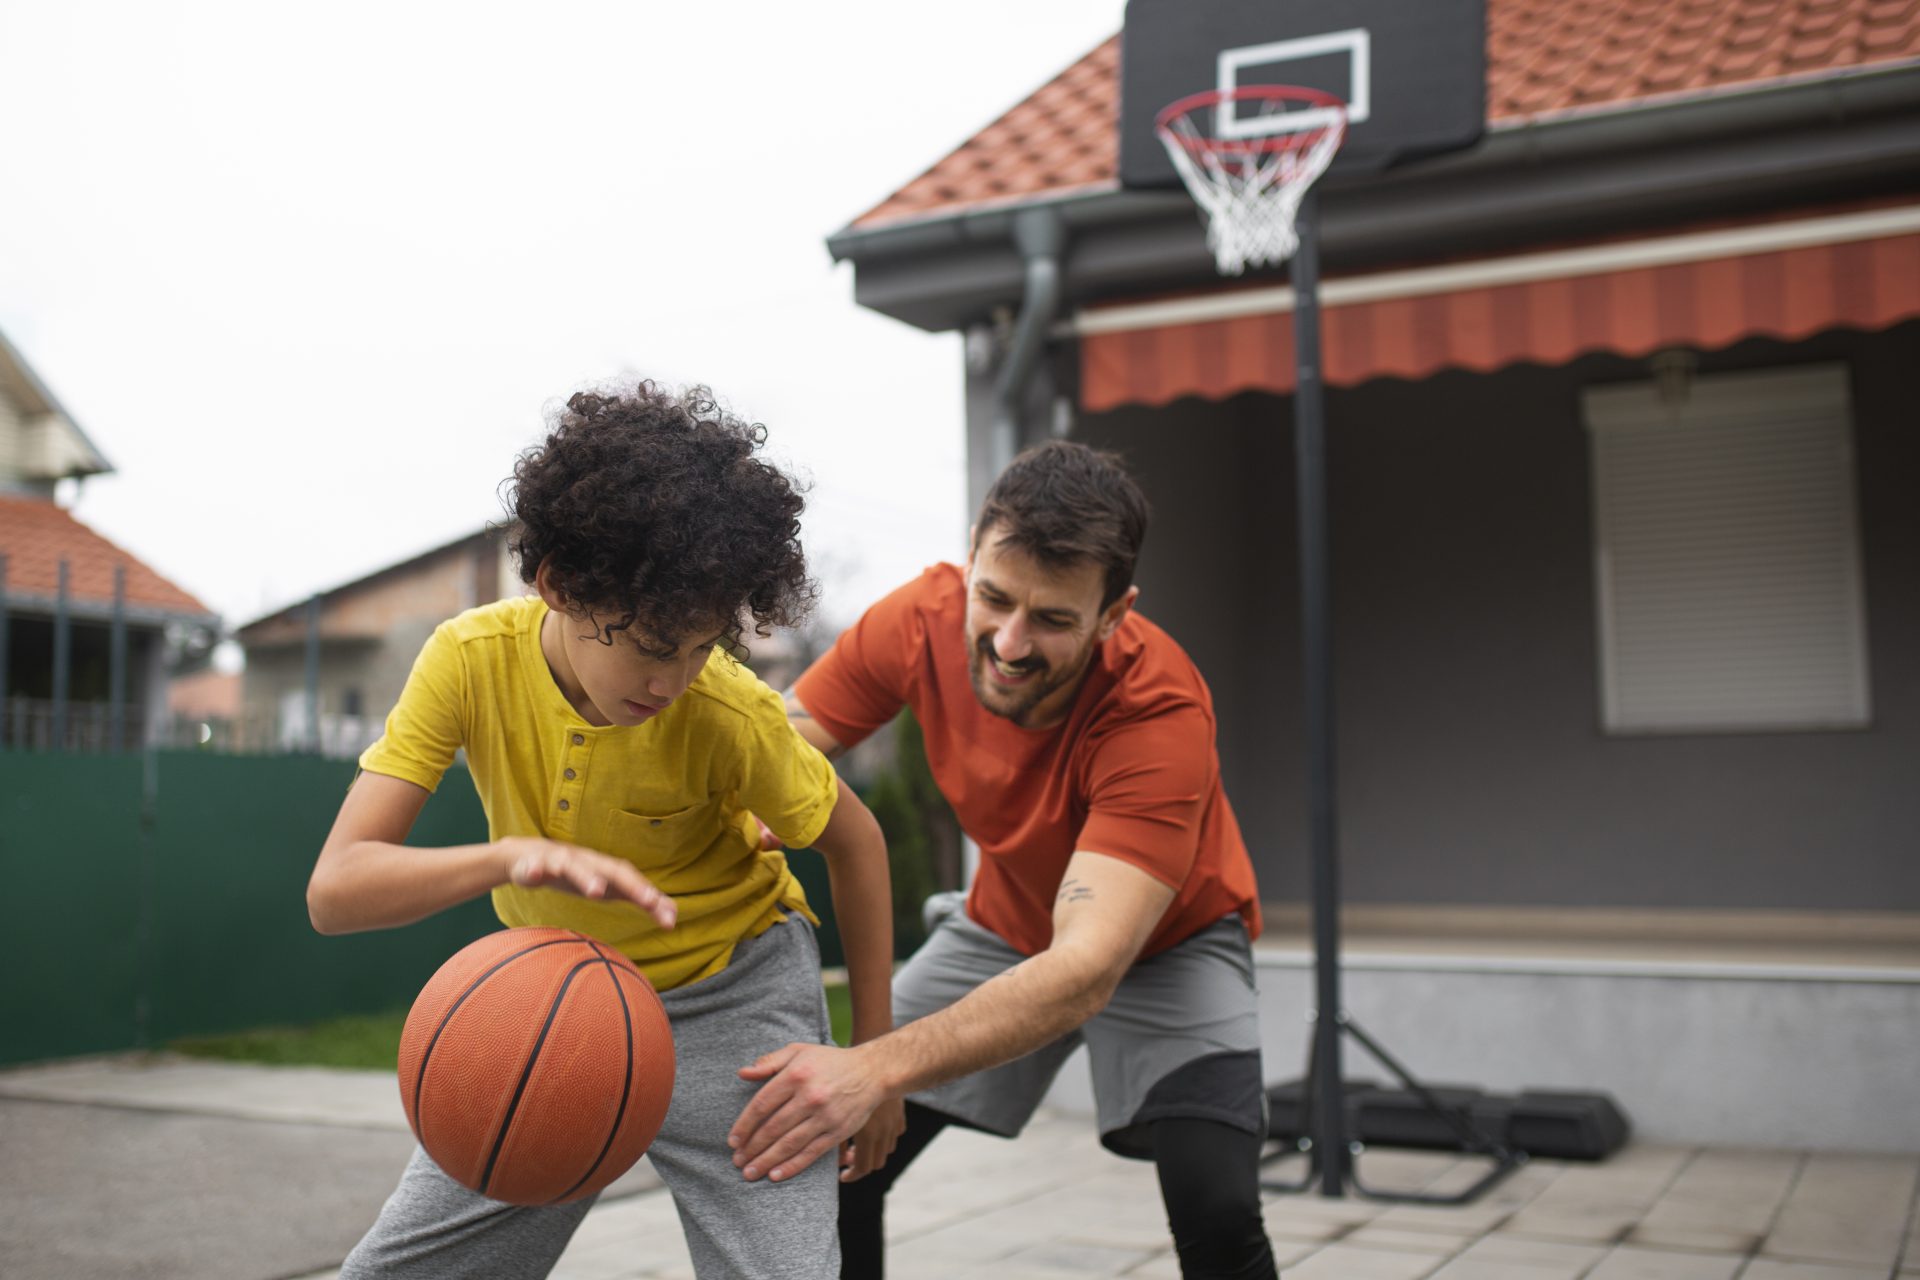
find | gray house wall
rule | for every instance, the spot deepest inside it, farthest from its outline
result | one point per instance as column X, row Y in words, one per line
column 1472, row 768
column 378, row 669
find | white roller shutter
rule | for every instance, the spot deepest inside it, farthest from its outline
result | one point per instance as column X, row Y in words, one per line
column 1728, row 560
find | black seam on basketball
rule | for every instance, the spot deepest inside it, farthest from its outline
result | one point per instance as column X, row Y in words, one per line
column 526, row 1072
column 426, row 1055
column 626, row 1088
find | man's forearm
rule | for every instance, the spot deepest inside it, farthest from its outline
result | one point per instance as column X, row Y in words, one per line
column 1032, row 1004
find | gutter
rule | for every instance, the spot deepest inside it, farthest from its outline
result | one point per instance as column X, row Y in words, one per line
column 1040, row 236
column 33, row 604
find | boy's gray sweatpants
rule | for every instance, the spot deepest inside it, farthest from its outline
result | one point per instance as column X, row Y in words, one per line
column 769, row 995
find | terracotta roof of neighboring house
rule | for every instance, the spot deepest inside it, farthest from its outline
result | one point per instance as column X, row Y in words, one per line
column 1544, row 58
column 36, row 534
column 273, row 627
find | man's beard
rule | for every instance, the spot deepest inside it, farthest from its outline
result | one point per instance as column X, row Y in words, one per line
column 1016, row 705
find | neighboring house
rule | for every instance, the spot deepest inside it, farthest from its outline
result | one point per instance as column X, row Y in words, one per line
column 1626, row 543
column 205, row 697
column 361, row 639
column 41, row 445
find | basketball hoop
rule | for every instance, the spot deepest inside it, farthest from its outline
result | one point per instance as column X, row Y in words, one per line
column 1248, row 173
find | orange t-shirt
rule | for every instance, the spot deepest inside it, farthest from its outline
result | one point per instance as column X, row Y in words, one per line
column 1133, row 772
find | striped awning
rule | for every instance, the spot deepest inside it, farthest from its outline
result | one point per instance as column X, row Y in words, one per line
column 1707, row 289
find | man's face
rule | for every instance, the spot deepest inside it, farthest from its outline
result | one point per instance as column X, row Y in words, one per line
column 1032, row 630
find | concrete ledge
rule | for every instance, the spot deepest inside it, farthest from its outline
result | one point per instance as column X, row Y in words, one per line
column 1728, row 1055
column 1822, row 943
column 1596, row 966
column 1719, row 1041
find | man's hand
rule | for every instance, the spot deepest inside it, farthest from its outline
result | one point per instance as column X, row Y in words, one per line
column 552, row 864
column 815, row 1097
column 870, row 1147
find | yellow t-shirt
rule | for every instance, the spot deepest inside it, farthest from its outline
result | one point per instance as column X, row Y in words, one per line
column 676, row 796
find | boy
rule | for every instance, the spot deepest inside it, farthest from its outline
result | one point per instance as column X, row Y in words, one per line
column 620, row 760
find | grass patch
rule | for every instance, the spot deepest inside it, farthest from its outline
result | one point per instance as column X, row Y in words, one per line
column 840, row 1009
column 372, row 1041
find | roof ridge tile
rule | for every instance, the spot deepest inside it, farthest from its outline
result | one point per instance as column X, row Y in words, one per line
column 1543, row 57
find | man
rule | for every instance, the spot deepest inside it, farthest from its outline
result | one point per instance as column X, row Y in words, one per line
column 1114, row 903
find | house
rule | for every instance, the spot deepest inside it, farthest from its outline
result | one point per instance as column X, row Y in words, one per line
column 84, row 623
column 206, row 697
column 355, row 661
column 1625, row 548
column 322, row 674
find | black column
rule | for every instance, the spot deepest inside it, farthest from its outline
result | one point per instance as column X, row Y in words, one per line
column 1316, row 622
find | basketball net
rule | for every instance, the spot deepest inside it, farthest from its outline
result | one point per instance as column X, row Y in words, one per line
column 1248, row 176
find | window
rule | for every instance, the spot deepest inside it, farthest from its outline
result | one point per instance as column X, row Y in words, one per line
column 1727, row 555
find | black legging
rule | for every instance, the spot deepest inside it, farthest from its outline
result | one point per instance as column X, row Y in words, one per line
column 1209, row 1180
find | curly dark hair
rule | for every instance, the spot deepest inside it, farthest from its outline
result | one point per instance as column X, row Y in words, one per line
column 1065, row 503
column 652, row 511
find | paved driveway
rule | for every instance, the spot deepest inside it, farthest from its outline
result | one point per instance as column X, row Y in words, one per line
column 166, row 1168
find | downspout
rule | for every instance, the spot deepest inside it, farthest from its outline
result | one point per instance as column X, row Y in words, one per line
column 1040, row 236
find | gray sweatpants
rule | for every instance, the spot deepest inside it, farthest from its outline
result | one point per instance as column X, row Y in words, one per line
column 432, row 1228
column 1180, row 1036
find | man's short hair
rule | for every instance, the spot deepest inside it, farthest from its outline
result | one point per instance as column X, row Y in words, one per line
column 1064, row 503
column 653, row 510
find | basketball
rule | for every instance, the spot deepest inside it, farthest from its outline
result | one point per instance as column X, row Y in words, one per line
column 536, row 1066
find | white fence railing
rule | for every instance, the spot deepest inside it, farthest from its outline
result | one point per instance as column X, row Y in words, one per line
column 32, row 724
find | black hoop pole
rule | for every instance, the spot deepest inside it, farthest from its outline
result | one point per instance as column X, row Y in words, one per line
column 1316, row 633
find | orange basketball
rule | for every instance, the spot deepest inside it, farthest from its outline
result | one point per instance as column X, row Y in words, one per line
column 536, row 1066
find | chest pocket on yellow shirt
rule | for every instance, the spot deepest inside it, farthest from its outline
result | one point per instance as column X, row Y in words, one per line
column 659, row 842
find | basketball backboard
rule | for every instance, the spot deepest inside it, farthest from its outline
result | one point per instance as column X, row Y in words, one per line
column 1413, row 73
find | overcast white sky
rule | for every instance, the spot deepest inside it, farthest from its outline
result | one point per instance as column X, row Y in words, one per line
column 309, row 274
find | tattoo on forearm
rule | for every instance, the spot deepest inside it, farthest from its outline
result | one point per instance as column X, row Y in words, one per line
column 1074, row 891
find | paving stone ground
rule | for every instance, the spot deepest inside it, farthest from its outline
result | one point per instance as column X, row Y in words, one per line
column 1051, row 1206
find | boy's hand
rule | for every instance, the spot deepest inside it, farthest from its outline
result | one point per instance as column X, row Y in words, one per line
column 768, row 840
column 868, row 1149
column 815, row 1097
column 551, row 864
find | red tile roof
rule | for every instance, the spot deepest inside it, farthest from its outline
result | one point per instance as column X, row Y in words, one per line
column 36, row 534
column 1544, row 57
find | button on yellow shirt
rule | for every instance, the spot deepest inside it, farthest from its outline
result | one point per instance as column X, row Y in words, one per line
column 676, row 796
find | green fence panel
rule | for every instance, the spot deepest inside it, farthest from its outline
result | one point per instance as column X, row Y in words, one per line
column 70, row 845
column 234, row 842
column 810, row 869
column 163, row 895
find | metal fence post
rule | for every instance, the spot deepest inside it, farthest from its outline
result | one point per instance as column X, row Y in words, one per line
column 313, row 675
column 62, row 660
column 144, row 923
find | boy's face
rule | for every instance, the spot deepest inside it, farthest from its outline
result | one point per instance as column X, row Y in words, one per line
column 1031, row 631
column 628, row 682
